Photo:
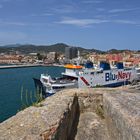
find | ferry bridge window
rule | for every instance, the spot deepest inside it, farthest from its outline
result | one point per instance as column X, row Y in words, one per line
column 98, row 72
column 45, row 80
column 92, row 73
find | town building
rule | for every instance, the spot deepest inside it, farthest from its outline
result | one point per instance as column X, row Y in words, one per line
column 114, row 58
column 10, row 59
column 52, row 57
column 97, row 58
column 70, row 53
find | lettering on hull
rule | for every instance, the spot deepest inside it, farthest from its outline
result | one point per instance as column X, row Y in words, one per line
column 121, row 75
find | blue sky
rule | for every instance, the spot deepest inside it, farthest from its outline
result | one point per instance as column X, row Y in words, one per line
column 99, row 24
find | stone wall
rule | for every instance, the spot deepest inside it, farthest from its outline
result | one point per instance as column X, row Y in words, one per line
column 122, row 114
column 91, row 114
column 54, row 118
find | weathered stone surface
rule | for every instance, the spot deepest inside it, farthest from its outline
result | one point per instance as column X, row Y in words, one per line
column 91, row 122
column 58, row 117
column 46, row 122
column 122, row 113
column 91, row 127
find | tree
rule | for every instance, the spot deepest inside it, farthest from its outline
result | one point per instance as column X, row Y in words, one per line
column 39, row 56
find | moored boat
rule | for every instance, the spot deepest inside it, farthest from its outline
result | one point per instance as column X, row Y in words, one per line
column 76, row 76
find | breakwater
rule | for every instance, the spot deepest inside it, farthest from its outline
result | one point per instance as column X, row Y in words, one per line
column 93, row 114
column 20, row 66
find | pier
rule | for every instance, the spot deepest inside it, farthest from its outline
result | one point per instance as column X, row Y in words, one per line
column 20, row 66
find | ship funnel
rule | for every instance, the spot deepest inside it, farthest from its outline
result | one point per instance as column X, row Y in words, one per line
column 120, row 65
column 104, row 65
column 89, row 64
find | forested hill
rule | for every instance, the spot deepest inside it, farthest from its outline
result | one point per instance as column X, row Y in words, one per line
column 28, row 48
column 59, row 47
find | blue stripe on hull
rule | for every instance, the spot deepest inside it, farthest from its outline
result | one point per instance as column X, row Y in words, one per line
column 117, row 84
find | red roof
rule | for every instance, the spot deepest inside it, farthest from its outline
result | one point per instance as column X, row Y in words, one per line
column 114, row 57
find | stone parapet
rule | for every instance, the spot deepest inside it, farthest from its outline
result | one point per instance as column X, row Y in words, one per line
column 92, row 114
column 52, row 119
column 122, row 114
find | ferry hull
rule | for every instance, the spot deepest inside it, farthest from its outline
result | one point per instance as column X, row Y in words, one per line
column 108, row 78
column 117, row 84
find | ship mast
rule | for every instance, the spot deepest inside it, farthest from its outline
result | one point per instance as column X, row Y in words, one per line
column 78, row 58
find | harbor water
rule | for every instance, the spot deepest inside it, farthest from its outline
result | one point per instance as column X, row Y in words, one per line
column 13, row 80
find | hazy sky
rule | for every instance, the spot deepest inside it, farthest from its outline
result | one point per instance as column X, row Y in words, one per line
column 99, row 24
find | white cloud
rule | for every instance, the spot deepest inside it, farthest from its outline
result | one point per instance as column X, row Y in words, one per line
column 13, row 23
column 122, row 10
column 100, row 9
column 64, row 9
column 82, row 22
column 46, row 14
column 43, row 14
column 125, row 22
column 89, row 22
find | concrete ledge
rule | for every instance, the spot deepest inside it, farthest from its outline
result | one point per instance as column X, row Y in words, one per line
column 122, row 114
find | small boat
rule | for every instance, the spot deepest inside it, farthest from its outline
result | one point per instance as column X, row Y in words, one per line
column 76, row 76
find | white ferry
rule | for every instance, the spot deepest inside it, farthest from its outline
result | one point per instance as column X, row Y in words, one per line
column 88, row 77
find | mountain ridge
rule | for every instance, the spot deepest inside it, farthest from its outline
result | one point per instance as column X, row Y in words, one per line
column 58, row 47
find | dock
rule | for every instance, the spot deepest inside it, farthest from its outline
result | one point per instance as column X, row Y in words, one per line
column 20, row 66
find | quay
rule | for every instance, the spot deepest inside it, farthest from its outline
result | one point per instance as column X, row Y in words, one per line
column 20, row 66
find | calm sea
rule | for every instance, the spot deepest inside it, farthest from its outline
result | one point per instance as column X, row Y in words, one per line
column 13, row 80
